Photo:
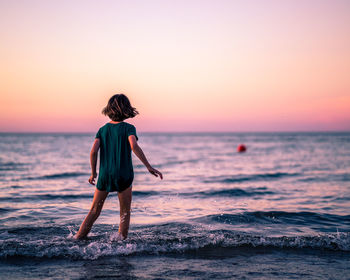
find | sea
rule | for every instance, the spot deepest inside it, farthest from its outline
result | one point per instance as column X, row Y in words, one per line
column 279, row 210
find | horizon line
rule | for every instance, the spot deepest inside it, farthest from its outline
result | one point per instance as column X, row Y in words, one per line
column 180, row 132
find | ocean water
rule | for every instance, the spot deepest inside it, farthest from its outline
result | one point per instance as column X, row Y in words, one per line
column 281, row 210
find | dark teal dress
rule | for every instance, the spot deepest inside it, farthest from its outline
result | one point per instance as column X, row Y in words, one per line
column 116, row 171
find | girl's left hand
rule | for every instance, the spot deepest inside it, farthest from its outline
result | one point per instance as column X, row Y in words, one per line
column 155, row 172
column 92, row 179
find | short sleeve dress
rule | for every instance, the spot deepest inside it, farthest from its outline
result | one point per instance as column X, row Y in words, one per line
column 116, row 172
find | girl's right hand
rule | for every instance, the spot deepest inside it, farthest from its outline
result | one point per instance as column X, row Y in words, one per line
column 155, row 172
column 92, row 179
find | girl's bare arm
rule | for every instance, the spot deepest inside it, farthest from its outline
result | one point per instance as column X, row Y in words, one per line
column 139, row 153
column 93, row 160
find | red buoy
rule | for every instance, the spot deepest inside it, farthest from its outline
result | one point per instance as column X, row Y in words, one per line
column 241, row 148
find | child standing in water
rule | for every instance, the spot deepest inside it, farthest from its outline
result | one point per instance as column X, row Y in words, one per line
column 115, row 140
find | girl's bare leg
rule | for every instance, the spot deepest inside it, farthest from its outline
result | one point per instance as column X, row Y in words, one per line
column 96, row 207
column 125, row 209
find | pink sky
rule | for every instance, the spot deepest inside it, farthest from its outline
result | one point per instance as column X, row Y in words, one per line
column 186, row 65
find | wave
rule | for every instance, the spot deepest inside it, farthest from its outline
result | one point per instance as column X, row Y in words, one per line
column 279, row 217
column 46, row 197
column 234, row 192
column 12, row 166
column 327, row 177
column 4, row 210
column 249, row 177
column 57, row 176
column 171, row 238
column 176, row 162
column 145, row 193
column 19, row 198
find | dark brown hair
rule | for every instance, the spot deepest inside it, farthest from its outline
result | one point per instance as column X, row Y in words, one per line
column 119, row 108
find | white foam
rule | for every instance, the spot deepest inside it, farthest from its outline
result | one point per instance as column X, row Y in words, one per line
column 111, row 245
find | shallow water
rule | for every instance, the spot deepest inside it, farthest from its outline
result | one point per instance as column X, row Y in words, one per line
column 280, row 210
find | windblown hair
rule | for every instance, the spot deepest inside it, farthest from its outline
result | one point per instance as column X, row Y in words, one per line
column 119, row 108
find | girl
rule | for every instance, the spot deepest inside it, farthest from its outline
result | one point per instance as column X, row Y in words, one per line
column 115, row 140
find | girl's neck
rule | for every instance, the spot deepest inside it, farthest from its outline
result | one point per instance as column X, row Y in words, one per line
column 114, row 122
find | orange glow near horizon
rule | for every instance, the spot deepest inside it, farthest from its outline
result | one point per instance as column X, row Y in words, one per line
column 185, row 65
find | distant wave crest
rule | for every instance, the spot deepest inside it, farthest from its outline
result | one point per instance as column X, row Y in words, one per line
column 231, row 192
column 12, row 166
column 58, row 176
column 290, row 218
column 248, row 177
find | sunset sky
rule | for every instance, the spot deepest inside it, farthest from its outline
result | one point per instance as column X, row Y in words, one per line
column 185, row 65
